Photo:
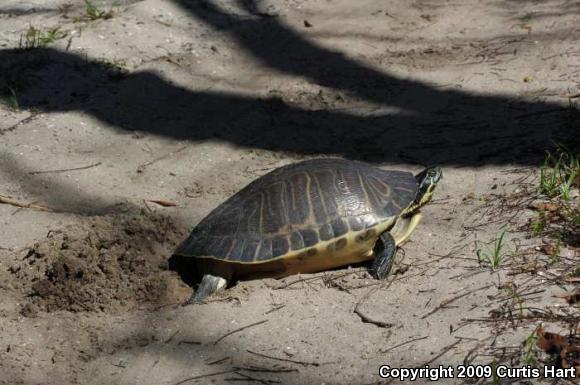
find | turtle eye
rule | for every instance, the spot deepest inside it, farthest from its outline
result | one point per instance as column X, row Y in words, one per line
column 435, row 174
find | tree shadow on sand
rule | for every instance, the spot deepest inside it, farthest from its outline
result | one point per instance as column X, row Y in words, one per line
column 414, row 123
column 460, row 129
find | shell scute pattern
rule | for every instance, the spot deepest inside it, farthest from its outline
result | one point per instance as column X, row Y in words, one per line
column 325, row 232
column 297, row 206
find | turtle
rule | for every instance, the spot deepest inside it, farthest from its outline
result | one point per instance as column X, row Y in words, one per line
column 306, row 217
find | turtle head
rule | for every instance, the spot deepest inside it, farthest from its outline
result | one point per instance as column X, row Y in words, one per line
column 427, row 181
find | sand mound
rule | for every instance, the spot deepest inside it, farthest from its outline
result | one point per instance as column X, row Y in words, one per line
column 112, row 263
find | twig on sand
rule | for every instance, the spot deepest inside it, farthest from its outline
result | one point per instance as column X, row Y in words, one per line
column 250, row 378
column 468, row 274
column 65, row 169
column 305, row 279
column 472, row 353
column 19, row 123
column 325, row 277
column 445, row 350
column 450, row 254
column 170, row 338
column 365, row 318
column 305, row 363
column 142, row 167
column 403, row 343
column 446, row 302
column 203, row 376
column 162, row 202
column 239, row 330
column 14, row 202
column 276, row 308
column 219, row 361
column 265, row 370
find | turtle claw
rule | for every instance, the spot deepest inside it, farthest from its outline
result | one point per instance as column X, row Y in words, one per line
column 209, row 285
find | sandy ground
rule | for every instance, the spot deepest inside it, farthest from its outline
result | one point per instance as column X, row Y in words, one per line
column 188, row 101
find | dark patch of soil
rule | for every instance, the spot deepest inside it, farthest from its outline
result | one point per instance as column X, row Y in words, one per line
column 112, row 263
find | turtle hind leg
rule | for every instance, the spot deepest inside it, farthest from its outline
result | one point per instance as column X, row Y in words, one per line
column 209, row 285
column 385, row 251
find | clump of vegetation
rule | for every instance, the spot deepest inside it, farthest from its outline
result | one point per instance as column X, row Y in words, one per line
column 493, row 254
column 539, row 224
column 516, row 301
column 495, row 379
column 12, row 99
column 512, row 307
column 573, row 216
column 92, row 13
column 16, row 78
column 117, row 68
column 530, row 354
column 559, row 174
column 39, row 38
column 556, row 202
column 559, row 217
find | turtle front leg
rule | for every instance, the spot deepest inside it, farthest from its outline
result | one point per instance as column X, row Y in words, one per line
column 209, row 285
column 385, row 250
